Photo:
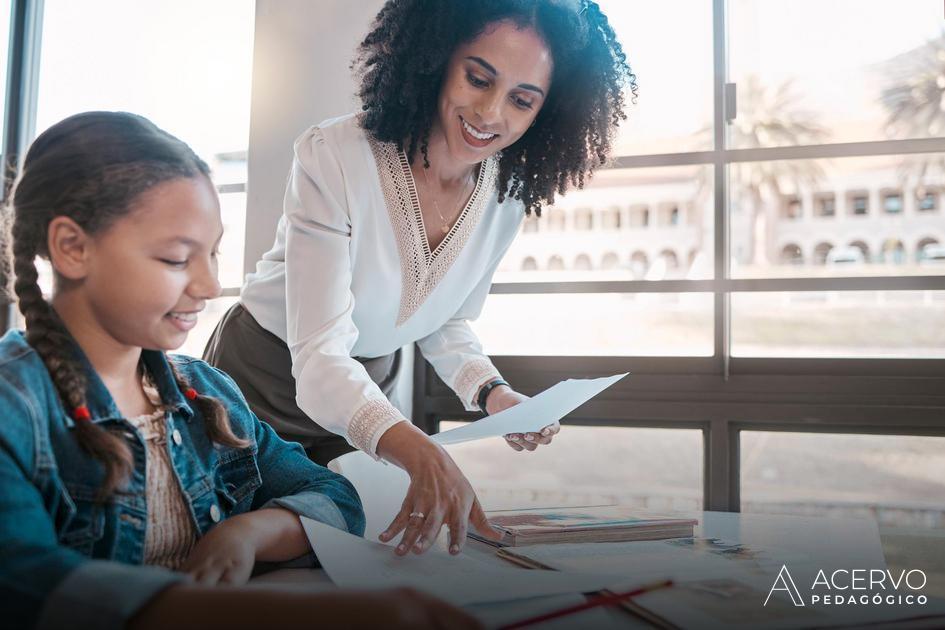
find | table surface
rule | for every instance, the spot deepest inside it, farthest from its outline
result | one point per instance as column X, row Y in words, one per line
column 837, row 543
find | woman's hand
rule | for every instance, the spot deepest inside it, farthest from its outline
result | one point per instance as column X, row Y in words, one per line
column 438, row 495
column 501, row 398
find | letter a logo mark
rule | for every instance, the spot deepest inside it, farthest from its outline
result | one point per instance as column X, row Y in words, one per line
column 786, row 584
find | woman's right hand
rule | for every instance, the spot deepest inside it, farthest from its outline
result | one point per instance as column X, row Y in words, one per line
column 439, row 493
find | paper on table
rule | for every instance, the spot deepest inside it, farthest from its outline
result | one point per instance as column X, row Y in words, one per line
column 533, row 414
column 353, row 562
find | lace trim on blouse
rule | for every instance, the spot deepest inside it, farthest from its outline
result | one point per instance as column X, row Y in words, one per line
column 422, row 269
column 472, row 376
column 371, row 418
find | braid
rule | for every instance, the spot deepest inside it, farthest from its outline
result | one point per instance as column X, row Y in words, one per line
column 90, row 167
column 215, row 417
column 46, row 334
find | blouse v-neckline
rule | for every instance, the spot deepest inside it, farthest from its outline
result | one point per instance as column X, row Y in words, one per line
column 422, row 267
column 429, row 253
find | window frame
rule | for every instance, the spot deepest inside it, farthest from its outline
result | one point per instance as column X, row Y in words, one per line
column 723, row 395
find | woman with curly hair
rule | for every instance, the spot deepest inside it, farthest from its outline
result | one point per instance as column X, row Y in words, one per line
column 475, row 113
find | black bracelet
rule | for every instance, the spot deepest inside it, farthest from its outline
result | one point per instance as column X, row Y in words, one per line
column 484, row 393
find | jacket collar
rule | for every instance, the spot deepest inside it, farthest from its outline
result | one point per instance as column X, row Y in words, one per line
column 102, row 406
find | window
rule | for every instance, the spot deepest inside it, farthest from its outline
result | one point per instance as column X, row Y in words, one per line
column 610, row 219
column 892, row 203
column 791, row 209
column 169, row 57
column 639, row 217
column 897, row 480
column 859, row 204
column 590, row 466
column 805, row 279
column 927, row 200
column 583, row 219
column 825, row 205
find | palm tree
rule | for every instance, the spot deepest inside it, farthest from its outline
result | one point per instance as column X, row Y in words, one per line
column 767, row 118
column 914, row 99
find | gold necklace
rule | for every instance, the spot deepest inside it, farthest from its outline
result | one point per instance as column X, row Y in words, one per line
column 445, row 225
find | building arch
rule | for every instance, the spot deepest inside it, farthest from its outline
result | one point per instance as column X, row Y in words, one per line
column 639, row 263
column 821, row 251
column 791, row 254
column 529, row 264
column 672, row 260
column 928, row 240
column 583, row 263
column 863, row 247
column 893, row 251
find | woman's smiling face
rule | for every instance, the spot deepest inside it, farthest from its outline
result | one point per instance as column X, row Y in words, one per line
column 493, row 88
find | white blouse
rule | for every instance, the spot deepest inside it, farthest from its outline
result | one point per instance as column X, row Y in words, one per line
column 351, row 274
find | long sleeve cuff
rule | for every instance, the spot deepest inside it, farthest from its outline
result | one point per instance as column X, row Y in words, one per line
column 100, row 594
column 369, row 424
column 470, row 378
column 313, row 505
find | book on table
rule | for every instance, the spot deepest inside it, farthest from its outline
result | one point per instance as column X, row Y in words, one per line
column 596, row 523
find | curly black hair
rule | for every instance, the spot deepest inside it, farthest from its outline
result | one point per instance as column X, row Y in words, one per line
column 402, row 61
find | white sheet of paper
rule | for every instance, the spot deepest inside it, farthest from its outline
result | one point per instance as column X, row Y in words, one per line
column 533, row 414
column 353, row 562
column 382, row 488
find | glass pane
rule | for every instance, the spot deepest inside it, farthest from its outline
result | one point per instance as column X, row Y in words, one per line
column 840, row 324
column 815, row 71
column 185, row 65
column 628, row 224
column 656, row 469
column 208, row 320
column 674, row 109
column 872, row 216
column 897, row 480
column 597, row 324
column 233, row 211
column 5, row 11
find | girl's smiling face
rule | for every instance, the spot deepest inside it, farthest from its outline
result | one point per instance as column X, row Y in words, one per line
column 493, row 88
column 145, row 278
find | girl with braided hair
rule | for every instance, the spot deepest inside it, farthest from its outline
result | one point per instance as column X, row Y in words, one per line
column 114, row 454
column 474, row 114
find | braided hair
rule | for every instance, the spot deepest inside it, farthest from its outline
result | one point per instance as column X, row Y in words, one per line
column 91, row 167
column 402, row 61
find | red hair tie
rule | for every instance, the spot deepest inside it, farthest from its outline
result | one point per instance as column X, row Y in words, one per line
column 81, row 413
column 190, row 393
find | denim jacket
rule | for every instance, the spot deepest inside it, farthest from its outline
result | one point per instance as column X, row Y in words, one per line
column 69, row 560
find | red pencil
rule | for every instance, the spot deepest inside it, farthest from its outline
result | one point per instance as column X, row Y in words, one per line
column 594, row 602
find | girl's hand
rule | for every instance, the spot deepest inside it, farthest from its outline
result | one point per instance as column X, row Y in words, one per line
column 500, row 399
column 225, row 555
column 438, row 495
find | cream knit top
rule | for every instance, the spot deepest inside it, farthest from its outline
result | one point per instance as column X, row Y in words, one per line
column 170, row 535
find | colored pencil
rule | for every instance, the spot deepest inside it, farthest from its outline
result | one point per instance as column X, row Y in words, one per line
column 594, row 602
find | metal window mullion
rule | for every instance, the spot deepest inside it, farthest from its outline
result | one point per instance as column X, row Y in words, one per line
column 800, row 152
column 731, row 285
column 26, row 24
